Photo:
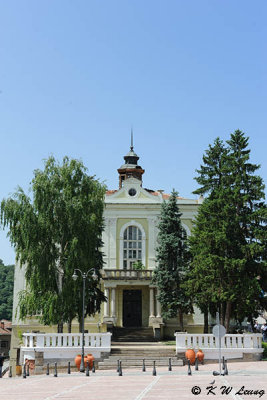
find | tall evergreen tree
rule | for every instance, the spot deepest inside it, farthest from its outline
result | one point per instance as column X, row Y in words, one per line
column 228, row 239
column 56, row 231
column 172, row 262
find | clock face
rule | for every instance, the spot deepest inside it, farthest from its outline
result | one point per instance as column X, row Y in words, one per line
column 132, row 192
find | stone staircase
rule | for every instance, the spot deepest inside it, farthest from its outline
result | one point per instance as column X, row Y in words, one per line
column 133, row 335
column 131, row 355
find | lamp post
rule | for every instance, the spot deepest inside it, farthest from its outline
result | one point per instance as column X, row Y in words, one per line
column 84, row 276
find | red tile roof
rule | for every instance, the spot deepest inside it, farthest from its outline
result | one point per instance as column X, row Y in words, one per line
column 7, row 327
column 109, row 192
column 156, row 193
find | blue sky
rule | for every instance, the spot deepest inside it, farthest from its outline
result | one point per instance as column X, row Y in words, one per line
column 76, row 75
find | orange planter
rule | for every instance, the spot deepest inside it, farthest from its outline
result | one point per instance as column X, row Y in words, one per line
column 78, row 360
column 200, row 356
column 190, row 355
column 90, row 358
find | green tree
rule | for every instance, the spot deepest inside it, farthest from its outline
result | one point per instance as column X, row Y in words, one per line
column 172, row 262
column 6, row 290
column 54, row 232
column 229, row 237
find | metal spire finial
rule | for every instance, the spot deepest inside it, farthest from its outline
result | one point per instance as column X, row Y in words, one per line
column 131, row 139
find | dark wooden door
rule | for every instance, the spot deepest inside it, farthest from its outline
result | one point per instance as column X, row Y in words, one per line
column 132, row 308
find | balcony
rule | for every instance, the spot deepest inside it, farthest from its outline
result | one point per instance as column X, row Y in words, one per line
column 127, row 274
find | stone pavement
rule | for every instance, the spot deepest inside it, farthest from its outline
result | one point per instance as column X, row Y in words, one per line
column 245, row 381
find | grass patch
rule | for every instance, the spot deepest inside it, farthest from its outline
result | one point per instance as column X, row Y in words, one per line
column 169, row 342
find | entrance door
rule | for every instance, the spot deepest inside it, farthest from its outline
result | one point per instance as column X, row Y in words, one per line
column 132, row 308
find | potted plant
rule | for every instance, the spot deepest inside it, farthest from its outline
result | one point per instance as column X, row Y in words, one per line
column 138, row 266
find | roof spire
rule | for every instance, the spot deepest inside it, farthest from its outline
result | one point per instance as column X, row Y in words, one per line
column 131, row 139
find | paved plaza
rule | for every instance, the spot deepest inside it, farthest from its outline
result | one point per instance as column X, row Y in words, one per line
column 249, row 379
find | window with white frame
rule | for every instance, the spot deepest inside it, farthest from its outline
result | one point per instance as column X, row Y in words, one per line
column 132, row 246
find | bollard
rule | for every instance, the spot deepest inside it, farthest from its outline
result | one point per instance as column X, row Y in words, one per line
column 10, row 372
column 144, row 366
column 170, row 364
column 223, row 363
column 55, row 374
column 87, row 369
column 189, row 372
column 154, row 372
column 69, row 371
column 118, row 365
column 47, row 369
column 93, row 367
column 24, row 372
column 196, row 364
column 226, row 369
column 28, row 370
column 120, row 371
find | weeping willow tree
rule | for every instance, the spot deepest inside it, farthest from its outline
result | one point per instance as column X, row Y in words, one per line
column 54, row 230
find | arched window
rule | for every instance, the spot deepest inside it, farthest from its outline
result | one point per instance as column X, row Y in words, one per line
column 132, row 246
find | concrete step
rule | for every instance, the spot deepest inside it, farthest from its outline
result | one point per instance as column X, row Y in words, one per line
column 147, row 357
column 138, row 363
column 133, row 335
column 140, row 353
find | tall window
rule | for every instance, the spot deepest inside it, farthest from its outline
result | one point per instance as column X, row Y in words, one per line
column 132, row 246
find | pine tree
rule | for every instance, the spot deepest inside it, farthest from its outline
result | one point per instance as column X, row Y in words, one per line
column 172, row 262
column 54, row 232
column 229, row 235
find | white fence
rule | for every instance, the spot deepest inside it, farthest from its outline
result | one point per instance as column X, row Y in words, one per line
column 63, row 346
column 233, row 345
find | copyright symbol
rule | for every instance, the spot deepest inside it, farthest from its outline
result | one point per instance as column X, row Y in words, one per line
column 196, row 390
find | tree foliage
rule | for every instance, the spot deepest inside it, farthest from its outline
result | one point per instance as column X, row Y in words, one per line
column 6, row 290
column 172, row 261
column 54, row 231
column 228, row 244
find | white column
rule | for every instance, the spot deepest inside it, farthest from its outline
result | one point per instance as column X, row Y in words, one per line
column 151, row 301
column 158, row 307
column 106, row 304
column 112, row 243
column 152, row 222
column 113, row 302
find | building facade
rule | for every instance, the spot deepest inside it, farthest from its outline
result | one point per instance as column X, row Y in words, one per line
column 130, row 241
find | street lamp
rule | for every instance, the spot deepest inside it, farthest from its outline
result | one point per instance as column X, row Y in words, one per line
column 84, row 276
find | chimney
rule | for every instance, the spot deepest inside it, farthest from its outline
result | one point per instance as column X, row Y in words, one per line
column 2, row 325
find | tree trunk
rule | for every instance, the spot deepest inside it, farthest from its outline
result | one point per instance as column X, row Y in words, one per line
column 206, row 321
column 181, row 320
column 228, row 315
column 69, row 326
column 60, row 327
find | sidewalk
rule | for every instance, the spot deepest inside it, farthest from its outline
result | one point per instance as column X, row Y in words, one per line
column 137, row 385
